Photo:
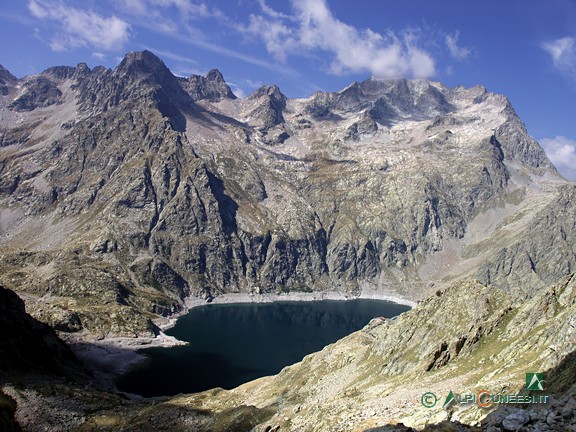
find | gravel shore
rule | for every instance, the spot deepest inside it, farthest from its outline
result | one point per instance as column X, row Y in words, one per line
column 112, row 356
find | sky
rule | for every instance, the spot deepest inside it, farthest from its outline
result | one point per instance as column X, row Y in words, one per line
column 524, row 49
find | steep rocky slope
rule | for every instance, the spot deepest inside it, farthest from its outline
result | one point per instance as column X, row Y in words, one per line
column 125, row 191
column 468, row 338
column 43, row 387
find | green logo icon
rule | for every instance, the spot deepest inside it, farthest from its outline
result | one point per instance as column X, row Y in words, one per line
column 428, row 399
column 535, row 381
column 450, row 399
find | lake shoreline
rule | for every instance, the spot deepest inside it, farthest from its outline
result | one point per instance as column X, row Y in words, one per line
column 111, row 357
column 165, row 323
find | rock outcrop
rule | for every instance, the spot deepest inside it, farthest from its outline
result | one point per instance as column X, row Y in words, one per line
column 126, row 191
column 464, row 340
column 212, row 87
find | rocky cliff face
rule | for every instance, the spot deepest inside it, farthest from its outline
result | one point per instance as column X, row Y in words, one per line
column 544, row 251
column 212, row 87
column 125, row 191
column 468, row 338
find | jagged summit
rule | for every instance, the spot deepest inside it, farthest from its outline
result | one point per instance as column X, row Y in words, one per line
column 215, row 75
column 147, row 66
column 212, row 87
column 123, row 192
column 270, row 90
column 267, row 107
column 145, row 69
column 6, row 80
column 136, row 61
column 174, row 183
column 5, row 75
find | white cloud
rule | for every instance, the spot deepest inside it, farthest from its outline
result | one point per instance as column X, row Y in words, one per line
column 154, row 13
column 562, row 152
column 314, row 28
column 276, row 36
column 269, row 11
column 456, row 51
column 563, row 53
column 185, row 7
column 253, row 84
column 80, row 27
column 238, row 91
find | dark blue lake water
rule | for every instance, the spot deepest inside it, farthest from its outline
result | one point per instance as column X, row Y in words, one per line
column 230, row 344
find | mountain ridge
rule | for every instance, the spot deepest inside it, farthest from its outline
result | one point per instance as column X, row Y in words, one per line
column 125, row 192
column 162, row 188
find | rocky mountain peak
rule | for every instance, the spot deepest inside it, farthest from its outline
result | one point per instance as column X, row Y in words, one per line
column 6, row 79
column 144, row 64
column 270, row 104
column 141, row 78
column 59, row 72
column 212, row 87
column 271, row 91
column 146, row 69
column 215, row 75
column 82, row 70
column 5, row 75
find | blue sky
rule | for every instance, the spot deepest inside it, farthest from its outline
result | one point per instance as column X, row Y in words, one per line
column 524, row 49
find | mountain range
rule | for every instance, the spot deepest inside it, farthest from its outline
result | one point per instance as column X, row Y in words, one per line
column 125, row 192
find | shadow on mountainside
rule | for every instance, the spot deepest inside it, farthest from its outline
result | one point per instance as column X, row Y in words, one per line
column 7, row 411
column 561, row 378
column 28, row 345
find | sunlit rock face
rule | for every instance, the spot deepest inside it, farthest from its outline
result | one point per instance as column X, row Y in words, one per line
column 124, row 191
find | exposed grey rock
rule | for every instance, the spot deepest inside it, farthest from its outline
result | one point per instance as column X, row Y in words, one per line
column 7, row 80
column 270, row 106
column 161, row 198
column 37, row 92
column 59, row 72
column 516, row 420
column 364, row 126
column 212, row 87
column 543, row 254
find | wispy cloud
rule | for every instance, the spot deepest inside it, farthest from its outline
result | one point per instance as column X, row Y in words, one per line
column 152, row 15
column 155, row 14
column 563, row 53
column 562, row 152
column 187, row 9
column 456, row 51
column 312, row 27
column 78, row 27
column 170, row 55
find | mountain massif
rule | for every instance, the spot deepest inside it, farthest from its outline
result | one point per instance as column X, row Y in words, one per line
column 125, row 192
